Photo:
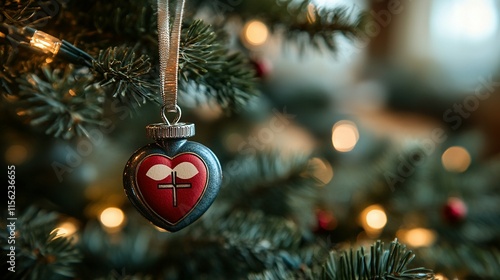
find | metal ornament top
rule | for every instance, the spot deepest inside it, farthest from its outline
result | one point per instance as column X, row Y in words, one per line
column 160, row 131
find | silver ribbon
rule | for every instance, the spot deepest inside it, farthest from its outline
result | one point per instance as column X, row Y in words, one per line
column 169, row 42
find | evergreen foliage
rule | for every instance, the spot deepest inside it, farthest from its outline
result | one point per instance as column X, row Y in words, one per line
column 264, row 223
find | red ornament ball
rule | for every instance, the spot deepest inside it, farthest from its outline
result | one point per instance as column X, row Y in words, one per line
column 262, row 67
column 455, row 210
column 326, row 220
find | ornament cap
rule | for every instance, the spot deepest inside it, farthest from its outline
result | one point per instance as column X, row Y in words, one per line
column 159, row 131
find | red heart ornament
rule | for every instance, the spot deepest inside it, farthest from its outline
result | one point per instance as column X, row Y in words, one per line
column 172, row 187
column 172, row 182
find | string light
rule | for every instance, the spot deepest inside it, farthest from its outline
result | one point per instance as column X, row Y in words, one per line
column 417, row 237
column 45, row 42
column 345, row 136
column 456, row 159
column 255, row 33
column 38, row 40
column 373, row 219
column 112, row 218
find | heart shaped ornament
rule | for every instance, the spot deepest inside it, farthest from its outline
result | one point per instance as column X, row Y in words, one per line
column 174, row 181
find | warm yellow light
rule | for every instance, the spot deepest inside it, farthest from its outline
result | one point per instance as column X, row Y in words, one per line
column 456, row 159
column 373, row 219
column 311, row 13
column 417, row 237
column 112, row 217
column 376, row 219
column 45, row 42
column 16, row 154
column 345, row 136
column 440, row 277
column 66, row 229
column 255, row 33
column 321, row 170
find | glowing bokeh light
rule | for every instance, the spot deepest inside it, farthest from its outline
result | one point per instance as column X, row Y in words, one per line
column 112, row 217
column 16, row 154
column 255, row 33
column 321, row 170
column 466, row 20
column 311, row 13
column 439, row 276
column 376, row 219
column 373, row 219
column 456, row 159
column 66, row 229
column 345, row 136
column 417, row 237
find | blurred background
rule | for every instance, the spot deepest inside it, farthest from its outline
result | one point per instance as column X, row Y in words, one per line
column 392, row 131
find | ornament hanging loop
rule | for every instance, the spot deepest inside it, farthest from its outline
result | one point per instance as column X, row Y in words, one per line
column 178, row 114
column 169, row 43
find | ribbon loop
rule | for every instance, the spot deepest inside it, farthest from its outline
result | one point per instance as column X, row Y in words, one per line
column 168, row 45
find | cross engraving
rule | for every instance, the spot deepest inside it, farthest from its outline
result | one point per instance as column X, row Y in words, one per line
column 174, row 186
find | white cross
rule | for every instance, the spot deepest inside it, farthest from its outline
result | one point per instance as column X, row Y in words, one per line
column 174, row 186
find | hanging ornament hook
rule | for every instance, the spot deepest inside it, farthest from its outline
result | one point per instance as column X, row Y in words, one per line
column 169, row 44
column 177, row 118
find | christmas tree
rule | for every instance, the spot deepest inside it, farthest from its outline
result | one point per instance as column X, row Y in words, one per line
column 315, row 185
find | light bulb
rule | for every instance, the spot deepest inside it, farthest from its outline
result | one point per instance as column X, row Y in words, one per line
column 45, row 42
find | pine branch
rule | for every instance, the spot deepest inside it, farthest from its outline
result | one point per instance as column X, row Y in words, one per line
column 207, row 68
column 322, row 26
column 391, row 263
column 127, row 75
column 235, row 246
column 213, row 69
column 464, row 261
column 130, row 18
column 277, row 185
column 40, row 252
column 65, row 104
column 299, row 21
column 5, row 76
column 117, row 276
column 21, row 12
column 279, row 272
